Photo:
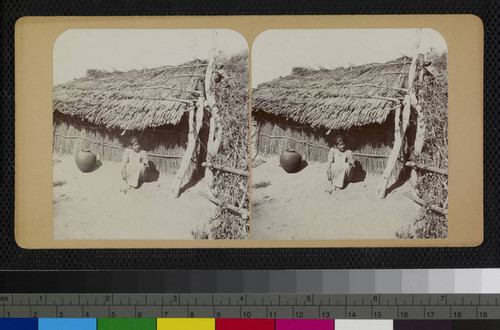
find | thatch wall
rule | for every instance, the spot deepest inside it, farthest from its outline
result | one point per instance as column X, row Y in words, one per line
column 72, row 134
column 275, row 135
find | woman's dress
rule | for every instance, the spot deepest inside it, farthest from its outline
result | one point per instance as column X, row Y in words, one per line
column 135, row 167
column 341, row 165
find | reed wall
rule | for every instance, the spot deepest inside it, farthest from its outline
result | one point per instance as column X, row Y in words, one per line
column 274, row 135
column 71, row 135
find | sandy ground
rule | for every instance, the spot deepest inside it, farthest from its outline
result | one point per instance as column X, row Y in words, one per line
column 295, row 206
column 91, row 206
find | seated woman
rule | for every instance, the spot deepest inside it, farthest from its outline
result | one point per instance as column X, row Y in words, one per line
column 135, row 164
column 340, row 165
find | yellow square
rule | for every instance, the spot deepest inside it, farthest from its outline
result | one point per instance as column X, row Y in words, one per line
column 185, row 324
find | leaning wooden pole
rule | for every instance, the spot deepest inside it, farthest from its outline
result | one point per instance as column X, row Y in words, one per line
column 420, row 132
column 421, row 203
column 241, row 212
column 254, row 139
column 427, row 168
column 215, row 131
column 399, row 132
column 226, row 169
column 195, row 123
column 209, row 173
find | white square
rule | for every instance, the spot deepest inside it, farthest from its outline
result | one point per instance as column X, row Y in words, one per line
column 363, row 325
column 490, row 280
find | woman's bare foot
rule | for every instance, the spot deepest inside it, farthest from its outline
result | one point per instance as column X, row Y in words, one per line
column 125, row 187
column 330, row 188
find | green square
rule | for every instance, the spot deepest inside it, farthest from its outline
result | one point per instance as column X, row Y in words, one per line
column 126, row 324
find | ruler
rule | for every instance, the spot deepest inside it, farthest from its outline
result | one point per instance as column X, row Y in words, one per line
column 251, row 305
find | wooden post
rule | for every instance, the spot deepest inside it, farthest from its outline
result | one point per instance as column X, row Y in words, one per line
column 420, row 132
column 53, row 136
column 254, row 138
column 399, row 132
column 195, row 123
column 215, row 132
column 209, row 173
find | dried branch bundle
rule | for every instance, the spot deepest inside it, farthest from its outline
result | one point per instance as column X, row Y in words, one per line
column 233, row 120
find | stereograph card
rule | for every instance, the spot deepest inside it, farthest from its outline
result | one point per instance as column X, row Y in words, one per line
column 249, row 132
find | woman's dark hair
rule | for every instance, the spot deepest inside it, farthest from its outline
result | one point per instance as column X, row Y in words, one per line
column 133, row 139
column 337, row 139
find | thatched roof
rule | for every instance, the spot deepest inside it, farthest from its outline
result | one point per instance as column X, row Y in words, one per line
column 339, row 98
column 132, row 100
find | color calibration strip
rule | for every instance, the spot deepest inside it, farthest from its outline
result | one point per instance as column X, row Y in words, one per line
column 241, row 324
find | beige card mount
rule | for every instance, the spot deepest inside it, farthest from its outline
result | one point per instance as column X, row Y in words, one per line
column 179, row 132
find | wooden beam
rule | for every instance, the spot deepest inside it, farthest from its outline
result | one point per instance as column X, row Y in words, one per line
column 244, row 214
column 189, row 66
column 171, row 88
column 168, row 99
column 105, row 144
column 419, row 201
column 427, row 168
column 319, row 145
column 390, row 99
column 209, row 172
column 190, row 75
column 195, row 123
column 397, row 72
column 215, row 129
column 376, row 86
column 420, row 123
column 398, row 142
column 172, row 68
column 255, row 130
column 226, row 169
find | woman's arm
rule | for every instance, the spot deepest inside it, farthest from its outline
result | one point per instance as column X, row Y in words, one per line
column 144, row 158
column 349, row 157
column 330, row 159
column 124, row 164
column 329, row 162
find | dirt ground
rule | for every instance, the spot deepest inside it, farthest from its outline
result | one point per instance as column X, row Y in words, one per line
column 91, row 206
column 295, row 206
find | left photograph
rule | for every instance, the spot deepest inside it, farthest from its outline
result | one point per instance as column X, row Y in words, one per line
column 150, row 134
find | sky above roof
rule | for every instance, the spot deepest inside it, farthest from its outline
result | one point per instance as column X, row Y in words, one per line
column 77, row 50
column 276, row 52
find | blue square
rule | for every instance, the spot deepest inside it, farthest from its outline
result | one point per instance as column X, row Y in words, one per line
column 67, row 324
column 18, row 324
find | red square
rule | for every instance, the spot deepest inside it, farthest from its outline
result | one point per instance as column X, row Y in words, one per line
column 244, row 324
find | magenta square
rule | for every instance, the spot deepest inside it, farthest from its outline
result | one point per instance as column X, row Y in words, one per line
column 304, row 325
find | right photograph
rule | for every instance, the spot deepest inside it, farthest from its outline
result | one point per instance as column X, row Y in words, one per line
column 349, row 134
